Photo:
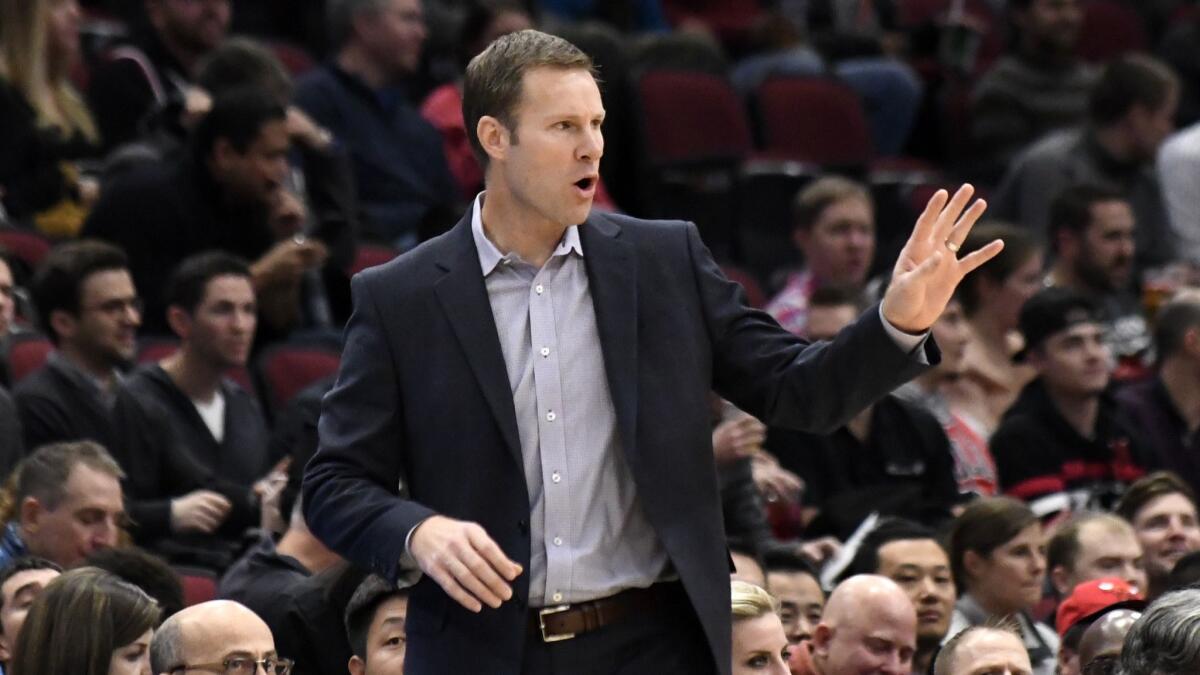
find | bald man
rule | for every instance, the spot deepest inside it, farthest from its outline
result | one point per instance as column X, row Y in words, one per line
column 1100, row 647
column 218, row 636
column 981, row 650
column 869, row 626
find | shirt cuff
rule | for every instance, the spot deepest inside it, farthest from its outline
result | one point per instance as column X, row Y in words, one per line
column 409, row 571
column 911, row 344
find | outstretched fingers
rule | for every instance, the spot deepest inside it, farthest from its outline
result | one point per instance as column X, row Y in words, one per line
column 962, row 228
column 973, row 260
column 927, row 221
column 950, row 214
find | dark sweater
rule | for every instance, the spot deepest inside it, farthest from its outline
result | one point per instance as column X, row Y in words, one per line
column 58, row 403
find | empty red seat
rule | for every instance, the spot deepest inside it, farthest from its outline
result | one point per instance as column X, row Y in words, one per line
column 287, row 369
column 370, row 255
column 814, row 119
column 692, row 116
column 1110, row 28
column 26, row 354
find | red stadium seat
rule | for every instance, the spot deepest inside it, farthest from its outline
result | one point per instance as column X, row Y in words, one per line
column 1110, row 28
column 28, row 247
column 199, row 585
column 692, row 116
column 295, row 59
column 287, row 369
column 26, row 354
column 754, row 292
column 370, row 255
column 814, row 119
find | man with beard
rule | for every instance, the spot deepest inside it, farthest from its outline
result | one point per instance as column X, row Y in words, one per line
column 157, row 68
column 1041, row 87
column 1162, row 509
column 88, row 307
column 208, row 475
column 1092, row 231
column 1062, row 439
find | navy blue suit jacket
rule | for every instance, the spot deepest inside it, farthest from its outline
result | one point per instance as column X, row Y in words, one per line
column 421, row 419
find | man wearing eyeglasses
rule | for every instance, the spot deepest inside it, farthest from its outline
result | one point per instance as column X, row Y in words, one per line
column 87, row 305
column 220, row 637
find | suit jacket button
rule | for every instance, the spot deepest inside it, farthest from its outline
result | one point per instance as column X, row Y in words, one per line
column 523, row 526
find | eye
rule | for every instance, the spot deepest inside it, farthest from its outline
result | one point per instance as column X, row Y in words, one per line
column 757, row 661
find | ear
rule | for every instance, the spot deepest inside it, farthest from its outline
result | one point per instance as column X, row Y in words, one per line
column 974, row 564
column 1059, row 577
column 223, row 153
column 179, row 321
column 356, row 666
column 30, row 513
column 1067, row 242
column 493, row 136
column 1191, row 340
column 821, row 637
column 64, row 323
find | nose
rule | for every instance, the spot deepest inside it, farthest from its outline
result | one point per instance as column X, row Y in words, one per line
column 133, row 315
column 592, row 147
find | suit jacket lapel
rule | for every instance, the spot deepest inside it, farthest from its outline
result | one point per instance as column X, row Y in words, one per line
column 612, row 277
column 464, row 298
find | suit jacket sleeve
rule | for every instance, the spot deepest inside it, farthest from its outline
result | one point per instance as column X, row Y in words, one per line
column 351, row 484
column 785, row 381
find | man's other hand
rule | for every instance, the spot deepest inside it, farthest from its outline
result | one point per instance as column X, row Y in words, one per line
column 929, row 269
column 464, row 561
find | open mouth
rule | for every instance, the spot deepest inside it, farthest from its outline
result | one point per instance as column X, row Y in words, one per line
column 586, row 184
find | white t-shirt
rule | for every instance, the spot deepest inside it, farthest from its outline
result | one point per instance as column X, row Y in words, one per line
column 213, row 414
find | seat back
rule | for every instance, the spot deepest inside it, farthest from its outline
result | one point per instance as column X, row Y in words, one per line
column 1110, row 28
column 285, row 370
column 691, row 117
column 27, row 353
column 814, row 119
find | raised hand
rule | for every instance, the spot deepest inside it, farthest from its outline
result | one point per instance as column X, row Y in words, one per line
column 929, row 269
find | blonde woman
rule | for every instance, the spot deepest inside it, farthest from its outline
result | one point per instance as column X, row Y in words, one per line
column 45, row 127
column 759, row 643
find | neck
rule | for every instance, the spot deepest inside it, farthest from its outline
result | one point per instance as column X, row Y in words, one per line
column 195, row 378
column 1063, row 274
column 923, row 657
column 1116, row 143
column 993, row 606
column 300, row 544
column 1182, row 382
column 987, row 327
column 353, row 60
column 1080, row 411
column 99, row 369
column 187, row 58
column 512, row 230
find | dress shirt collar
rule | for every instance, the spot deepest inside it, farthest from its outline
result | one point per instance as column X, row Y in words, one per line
column 490, row 256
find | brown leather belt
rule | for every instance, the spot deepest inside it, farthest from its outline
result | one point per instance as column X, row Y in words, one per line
column 563, row 622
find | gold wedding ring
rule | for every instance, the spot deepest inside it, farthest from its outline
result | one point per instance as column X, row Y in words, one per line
column 952, row 246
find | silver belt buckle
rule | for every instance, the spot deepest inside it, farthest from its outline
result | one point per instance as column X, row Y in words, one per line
column 547, row 611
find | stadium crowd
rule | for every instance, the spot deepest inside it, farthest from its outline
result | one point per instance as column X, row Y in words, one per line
column 187, row 188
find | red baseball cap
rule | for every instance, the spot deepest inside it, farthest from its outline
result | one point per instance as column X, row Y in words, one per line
column 1090, row 599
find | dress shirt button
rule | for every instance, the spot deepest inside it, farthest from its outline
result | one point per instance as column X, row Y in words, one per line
column 557, row 597
column 550, row 416
column 558, row 541
column 545, row 351
column 555, row 477
column 538, row 289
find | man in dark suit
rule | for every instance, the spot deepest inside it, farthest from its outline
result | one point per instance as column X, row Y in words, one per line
column 522, row 409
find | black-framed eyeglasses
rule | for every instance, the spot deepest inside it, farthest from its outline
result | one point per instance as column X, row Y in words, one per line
column 241, row 665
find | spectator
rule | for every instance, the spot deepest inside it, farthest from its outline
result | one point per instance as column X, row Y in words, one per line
column 1094, row 545
column 1185, row 573
column 957, row 403
column 215, row 634
column 834, row 227
column 910, row 555
column 146, row 571
column 747, row 563
column 10, row 424
column 793, row 581
column 1086, row 604
column 1102, row 643
column 992, row 301
column 308, row 621
column 980, row 650
column 998, row 559
column 45, row 128
column 892, row 457
column 221, row 195
column 1092, row 235
column 1166, row 639
column 1063, row 439
column 868, row 626
column 89, row 308
column 1040, row 88
column 20, row 584
column 375, row 627
column 404, row 183
column 118, row 618
column 154, row 71
column 1167, row 407
column 1179, row 174
column 1162, row 509
column 1130, row 113
column 65, row 503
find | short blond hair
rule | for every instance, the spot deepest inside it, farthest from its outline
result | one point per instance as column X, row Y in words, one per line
column 749, row 601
